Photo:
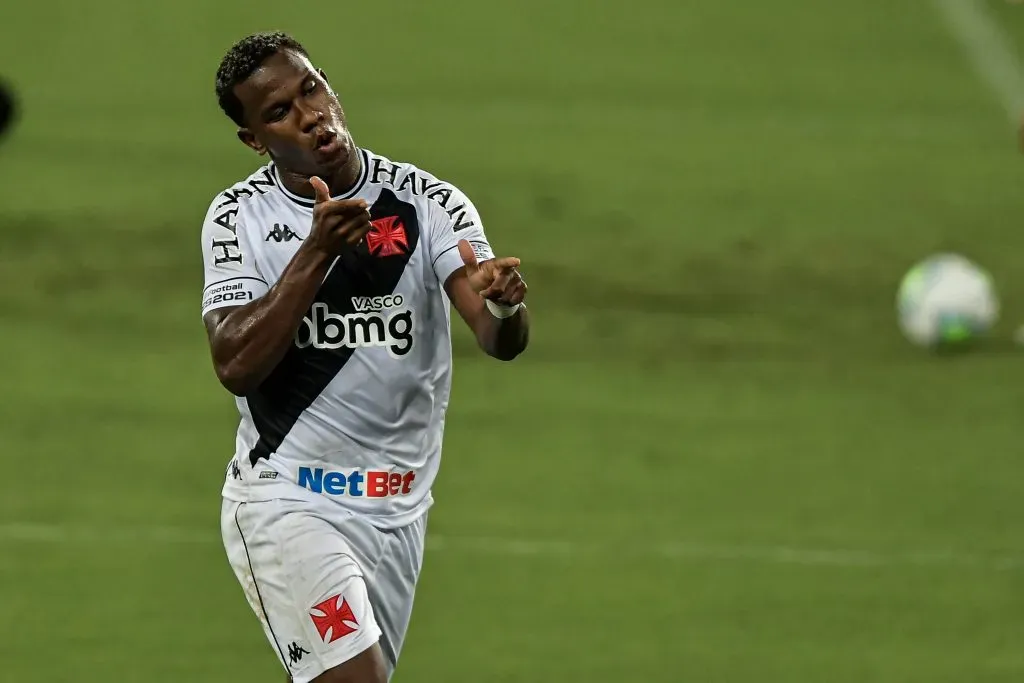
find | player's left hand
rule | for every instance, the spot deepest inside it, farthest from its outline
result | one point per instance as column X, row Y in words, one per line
column 497, row 279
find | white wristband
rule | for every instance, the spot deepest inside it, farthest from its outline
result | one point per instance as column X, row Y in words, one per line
column 499, row 311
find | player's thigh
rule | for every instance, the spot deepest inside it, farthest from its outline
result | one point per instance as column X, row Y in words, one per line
column 305, row 584
column 366, row 667
column 392, row 585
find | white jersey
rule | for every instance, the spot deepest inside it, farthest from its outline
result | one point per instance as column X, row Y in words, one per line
column 355, row 410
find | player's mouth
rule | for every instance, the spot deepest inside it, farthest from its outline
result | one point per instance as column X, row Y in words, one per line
column 327, row 143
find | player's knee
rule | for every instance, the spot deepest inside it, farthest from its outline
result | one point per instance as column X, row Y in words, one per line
column 366, row 667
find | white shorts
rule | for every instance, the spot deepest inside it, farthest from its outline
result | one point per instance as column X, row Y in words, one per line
column 324, row 583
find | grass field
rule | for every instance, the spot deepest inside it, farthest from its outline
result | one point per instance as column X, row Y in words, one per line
column 721, row 464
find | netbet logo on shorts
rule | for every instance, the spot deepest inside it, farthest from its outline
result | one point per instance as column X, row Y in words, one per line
column 378, row 321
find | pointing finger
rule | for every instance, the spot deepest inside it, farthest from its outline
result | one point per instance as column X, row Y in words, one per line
column 466, row 252
column 323, row 194
column 506, row 263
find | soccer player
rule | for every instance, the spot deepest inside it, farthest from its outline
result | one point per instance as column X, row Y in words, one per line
column 329, row 278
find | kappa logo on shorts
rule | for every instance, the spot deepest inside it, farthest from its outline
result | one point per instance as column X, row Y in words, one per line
column 333, row 621
column 295, row 652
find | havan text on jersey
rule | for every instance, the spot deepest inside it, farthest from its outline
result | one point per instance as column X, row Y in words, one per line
column 387, row 173
column 226, row 249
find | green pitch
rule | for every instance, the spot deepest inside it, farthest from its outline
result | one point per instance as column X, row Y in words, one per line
column 718, row 462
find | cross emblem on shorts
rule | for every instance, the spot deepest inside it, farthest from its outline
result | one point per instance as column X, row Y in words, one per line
column 338, row 621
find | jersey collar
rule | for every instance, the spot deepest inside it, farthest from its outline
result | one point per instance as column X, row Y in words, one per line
column 309, row 203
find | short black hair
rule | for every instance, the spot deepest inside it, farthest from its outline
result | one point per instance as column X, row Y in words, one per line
column 242, row 60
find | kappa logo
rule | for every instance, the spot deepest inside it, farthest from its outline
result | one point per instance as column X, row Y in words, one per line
column 282, row 233
column 334, row 621
column 387, row 237
column 295, row 652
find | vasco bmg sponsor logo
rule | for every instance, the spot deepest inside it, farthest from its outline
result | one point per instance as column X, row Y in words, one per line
column 375, row 304
column 378, row 321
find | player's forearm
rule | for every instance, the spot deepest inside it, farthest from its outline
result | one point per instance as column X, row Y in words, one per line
column 252, row 340
column 504, row 338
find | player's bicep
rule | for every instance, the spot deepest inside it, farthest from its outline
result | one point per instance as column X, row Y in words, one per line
column 214, row 318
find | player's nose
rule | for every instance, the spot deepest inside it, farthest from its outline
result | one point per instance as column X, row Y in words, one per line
column 310, row 119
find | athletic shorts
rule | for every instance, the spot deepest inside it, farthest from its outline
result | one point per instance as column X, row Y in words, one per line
column 324, row 583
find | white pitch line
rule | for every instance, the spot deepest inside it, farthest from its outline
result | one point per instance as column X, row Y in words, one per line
column 31, row 532
column 989, row 49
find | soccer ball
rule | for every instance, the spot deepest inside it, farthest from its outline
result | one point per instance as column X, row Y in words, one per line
column 946, row 300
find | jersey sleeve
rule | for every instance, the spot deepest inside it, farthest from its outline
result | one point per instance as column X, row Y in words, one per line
column 231, row 277
column 456, row 219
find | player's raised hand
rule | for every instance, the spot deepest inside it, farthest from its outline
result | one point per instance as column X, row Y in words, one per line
column 338, row 224
column 497, row 279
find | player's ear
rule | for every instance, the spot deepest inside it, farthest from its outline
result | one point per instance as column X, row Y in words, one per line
column 250, row 141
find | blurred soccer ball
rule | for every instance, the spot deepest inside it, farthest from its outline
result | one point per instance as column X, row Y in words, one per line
column 946, row 300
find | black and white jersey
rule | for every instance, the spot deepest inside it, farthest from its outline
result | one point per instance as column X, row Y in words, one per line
column 355, row 411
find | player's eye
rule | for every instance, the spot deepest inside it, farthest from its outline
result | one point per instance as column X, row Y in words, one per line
column 310, row 87
column 277, row 113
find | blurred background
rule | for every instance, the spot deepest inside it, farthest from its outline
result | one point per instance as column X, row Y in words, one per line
column 718, row 462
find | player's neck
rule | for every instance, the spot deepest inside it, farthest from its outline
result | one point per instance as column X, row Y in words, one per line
column 339, row 181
